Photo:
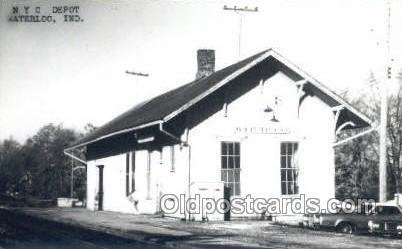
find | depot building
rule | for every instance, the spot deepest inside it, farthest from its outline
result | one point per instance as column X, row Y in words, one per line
column 260, row 127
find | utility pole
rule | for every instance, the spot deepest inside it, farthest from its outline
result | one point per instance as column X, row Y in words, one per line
column 384, row 113
column 137, row 73
column 238, row 11
column 72, row 179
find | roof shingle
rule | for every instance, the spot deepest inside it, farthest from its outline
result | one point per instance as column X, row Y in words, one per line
column 160, row 106
column 156, row 109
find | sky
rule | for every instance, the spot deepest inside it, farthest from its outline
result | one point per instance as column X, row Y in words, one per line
column 73, row 73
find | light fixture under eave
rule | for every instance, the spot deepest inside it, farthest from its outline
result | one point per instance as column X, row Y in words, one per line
column 273, row 119
column 268, row 109
column 145, row 140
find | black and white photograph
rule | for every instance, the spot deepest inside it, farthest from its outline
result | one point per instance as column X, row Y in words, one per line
column 200, row 124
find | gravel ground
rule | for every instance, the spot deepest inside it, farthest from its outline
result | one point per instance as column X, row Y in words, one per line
column 155, row 230
column 22, row 232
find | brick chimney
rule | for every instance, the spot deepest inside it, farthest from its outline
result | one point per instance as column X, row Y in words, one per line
column 206, row 62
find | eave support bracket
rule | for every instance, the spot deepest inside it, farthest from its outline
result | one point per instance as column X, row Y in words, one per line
column 354, row 137
column 301, row 94
column 72, row 156
column 337, row 111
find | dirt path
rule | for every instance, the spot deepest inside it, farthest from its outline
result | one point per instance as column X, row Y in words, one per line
column 166, row 232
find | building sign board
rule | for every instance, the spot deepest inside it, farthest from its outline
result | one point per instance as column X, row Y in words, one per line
column 262, row 130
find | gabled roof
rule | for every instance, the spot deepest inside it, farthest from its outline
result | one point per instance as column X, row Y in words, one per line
column 164, row 107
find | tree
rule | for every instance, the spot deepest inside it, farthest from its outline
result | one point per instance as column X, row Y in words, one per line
column 12, row 170
column 51, row 169
column 357, row 164
column 357, row 161
column 394, row 144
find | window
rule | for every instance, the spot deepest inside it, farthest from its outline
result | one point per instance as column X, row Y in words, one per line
column 130, row 173
column 289, row 168
column 230, row 166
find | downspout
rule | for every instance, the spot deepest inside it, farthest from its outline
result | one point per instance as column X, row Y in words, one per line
column 189, row 177
column 186, row 144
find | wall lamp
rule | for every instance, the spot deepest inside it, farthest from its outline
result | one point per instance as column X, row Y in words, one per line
column 269, row 110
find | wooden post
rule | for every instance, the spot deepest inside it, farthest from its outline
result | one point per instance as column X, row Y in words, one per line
column 100, row 191
column 72, row 179
column 149, row 175
column 383, row 145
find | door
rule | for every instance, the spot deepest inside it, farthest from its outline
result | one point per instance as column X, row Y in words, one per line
column 226, row 195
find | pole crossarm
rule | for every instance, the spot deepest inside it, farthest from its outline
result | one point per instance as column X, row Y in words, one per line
column 246, row 8
column 137, row 73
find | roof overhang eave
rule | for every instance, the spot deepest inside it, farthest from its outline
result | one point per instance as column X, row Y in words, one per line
column 157, row 122
column 230, row 77
column 321, row 87
column 289, row 64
